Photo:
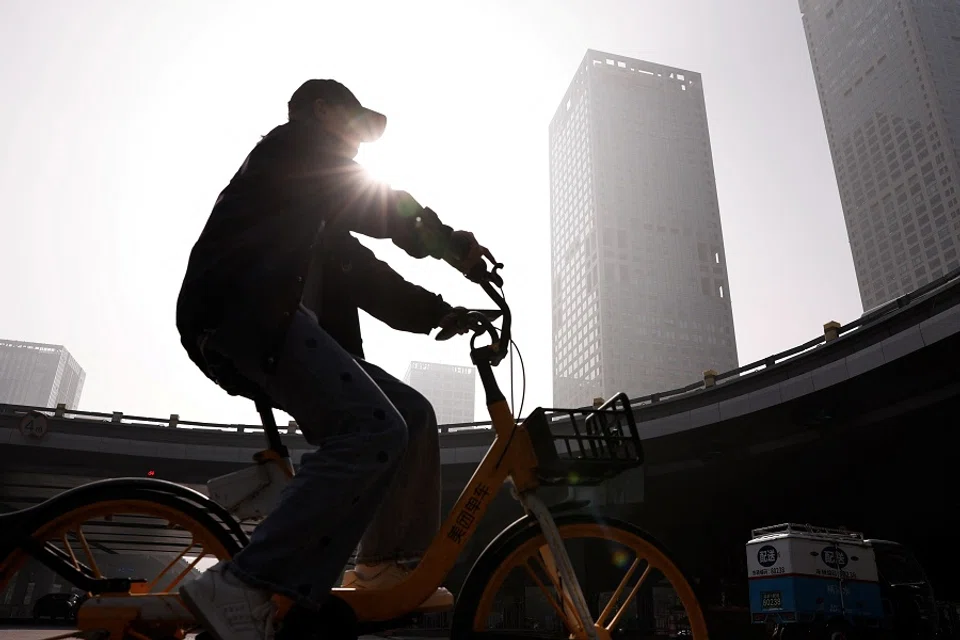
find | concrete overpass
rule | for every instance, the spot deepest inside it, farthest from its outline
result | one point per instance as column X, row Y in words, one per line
column 673, row 423
column 856, row 427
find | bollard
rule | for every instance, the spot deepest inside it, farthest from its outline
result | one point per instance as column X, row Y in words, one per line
column 292, row 427
column 597, row 403
column 117, row 417
column 61, row 410
column 709, row 378
column 174, row 420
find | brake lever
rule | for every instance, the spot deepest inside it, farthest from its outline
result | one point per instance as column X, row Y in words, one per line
column 479, row 274
column 495, row 277
column 452, row 331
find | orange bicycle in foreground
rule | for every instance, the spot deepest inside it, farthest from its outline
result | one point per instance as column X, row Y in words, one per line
column 549, row 448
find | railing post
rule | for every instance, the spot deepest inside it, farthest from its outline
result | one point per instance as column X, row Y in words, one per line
column 174, row 420
column 709, row 378
column 117, row 417
column 60, row 411
column 831, row 331
column 292, row 427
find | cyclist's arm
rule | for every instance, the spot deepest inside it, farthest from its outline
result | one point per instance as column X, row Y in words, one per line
column 388, row 297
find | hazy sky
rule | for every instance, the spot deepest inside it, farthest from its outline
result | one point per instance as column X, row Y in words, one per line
column 123, row 119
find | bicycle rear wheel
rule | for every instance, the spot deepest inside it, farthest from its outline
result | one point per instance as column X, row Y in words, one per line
column 513, row 586
column 129, row 545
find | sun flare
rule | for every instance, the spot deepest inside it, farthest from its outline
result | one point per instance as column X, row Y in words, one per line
column 382, row 165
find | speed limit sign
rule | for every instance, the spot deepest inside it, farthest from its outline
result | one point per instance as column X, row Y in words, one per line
column 34, row 425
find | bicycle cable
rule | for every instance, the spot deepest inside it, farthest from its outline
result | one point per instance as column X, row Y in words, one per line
column 523, row 372
column 523, row 379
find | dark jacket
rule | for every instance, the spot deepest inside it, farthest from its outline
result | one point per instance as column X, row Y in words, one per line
column 352, row 278
column 252, row 259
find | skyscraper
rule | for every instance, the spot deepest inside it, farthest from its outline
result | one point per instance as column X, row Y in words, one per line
column 888, row 75
column 39, row 375
column 450, row 389
column 641, row 301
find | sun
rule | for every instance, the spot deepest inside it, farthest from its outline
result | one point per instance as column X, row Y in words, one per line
column 383, row 165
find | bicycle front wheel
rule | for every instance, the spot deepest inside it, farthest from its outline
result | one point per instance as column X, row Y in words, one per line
column 631, row 585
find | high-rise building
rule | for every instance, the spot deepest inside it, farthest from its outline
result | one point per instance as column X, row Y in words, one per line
column 39, row 375
column 641, row 301
column 450, row 389
column 888, row 75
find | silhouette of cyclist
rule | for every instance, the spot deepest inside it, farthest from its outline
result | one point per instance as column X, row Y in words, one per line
column 269, row 309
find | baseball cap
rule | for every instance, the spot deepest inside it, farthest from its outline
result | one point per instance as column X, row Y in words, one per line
column 368, row 123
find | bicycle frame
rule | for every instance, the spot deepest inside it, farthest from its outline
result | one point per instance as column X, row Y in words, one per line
column 511, row 457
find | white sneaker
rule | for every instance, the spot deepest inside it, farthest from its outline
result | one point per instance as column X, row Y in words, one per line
column 227, row 608
column 384, row 576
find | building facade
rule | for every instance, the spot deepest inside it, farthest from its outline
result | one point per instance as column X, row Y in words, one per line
column 450, row 389
column 888, row 75
column 39, row 375
column 640, row 296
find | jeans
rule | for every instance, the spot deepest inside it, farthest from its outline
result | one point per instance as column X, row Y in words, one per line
column 374, row 478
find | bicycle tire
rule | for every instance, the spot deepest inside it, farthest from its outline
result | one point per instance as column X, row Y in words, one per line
column 527, row 529
column 207, row 514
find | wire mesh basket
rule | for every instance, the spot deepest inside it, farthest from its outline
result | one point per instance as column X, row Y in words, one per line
column 585, row 446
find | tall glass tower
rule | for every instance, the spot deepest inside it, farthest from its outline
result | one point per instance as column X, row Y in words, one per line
column 641, row 301
column 39, row 375
column 888, row 75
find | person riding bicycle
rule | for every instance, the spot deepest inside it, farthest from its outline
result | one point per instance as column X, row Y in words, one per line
column 268, row 310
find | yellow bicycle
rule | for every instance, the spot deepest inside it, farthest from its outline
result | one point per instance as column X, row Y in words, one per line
column 549, row 448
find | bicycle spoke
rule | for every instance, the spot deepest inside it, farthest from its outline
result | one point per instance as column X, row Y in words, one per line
column 86, row 548
column 73, row 557
column 574, row 624
column 619, row 590
column 153, row 583
column 546, row 592
column 187, row 570
column 629, row 599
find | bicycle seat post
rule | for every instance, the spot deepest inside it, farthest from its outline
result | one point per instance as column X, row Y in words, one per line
column 265, row 409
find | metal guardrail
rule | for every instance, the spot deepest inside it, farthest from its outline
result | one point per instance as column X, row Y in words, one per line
column 831, row 332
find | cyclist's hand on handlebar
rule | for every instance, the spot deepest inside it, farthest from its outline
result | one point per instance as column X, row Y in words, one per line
column 466, row 254
column 460, row 321
column 453, row 324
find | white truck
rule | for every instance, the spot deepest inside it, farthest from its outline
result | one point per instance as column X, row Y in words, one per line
column 816, row 582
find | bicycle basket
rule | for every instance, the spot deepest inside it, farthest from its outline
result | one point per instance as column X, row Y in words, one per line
column 585, row 446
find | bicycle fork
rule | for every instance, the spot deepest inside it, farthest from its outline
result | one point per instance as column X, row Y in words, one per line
column 564, row 568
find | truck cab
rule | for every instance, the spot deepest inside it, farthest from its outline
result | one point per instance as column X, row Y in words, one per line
column 907, row 596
